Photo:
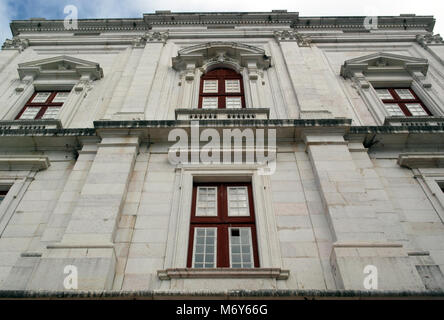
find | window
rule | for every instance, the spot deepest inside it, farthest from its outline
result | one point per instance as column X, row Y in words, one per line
column 402, row 102
column 43, row 105
column 220, row 89
column 222, row 230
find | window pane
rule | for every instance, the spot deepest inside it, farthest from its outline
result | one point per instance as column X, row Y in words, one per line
column 416, row 109
column 41, row 97
column 241, row 248
column 51, row 113
column 210, row 86
column 233, row 102
column 404, row 94
column 384, row 94
column 206, row 202
column 204, row 253
column 232, row 86
column 60, row 97
column 30, row 113
column 394, row 110
column 238, row 202
column 209, row 103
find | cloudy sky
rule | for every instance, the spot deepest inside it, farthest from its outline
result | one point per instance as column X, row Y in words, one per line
column 53, row 9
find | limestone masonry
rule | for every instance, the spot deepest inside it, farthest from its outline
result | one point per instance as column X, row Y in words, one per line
column 90, row 200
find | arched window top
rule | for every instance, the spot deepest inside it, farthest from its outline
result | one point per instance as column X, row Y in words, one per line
column 219, row 54
column 222, row 72
column 221, row 88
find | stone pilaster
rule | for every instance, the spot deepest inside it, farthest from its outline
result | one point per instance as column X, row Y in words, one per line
column 353, row 204
column 88, row 241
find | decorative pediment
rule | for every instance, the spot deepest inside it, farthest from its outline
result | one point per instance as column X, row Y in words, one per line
column 383, row 62
column 61, row 67
column 216, row 54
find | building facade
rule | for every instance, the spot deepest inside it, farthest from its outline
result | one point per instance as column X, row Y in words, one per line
column 348, row 118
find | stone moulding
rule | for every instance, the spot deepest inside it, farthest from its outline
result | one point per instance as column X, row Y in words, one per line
column 215, row 114
column 226, row 273
column 417, row 160
column 281, row 18
column 30, row 124
column 222, row 295
column 24, row 162
column 210, row 55
column 61, row 67
column 382, row 62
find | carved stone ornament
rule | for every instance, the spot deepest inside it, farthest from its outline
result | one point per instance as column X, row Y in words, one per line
column 293, row 35
column 60, row 67
column 211, row 55
column 15, row 44
column 361, row 68
column 156, row 36
column 429, row 39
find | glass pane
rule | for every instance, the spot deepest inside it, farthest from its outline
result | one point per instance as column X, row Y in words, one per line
column 60, row 97
column 209, row 103
column 404, row 94
column 238, row 202
column 30, row 113
column 416, row 109
column 206, row 202
column 210, row 86
column 41, row 97
column 51, row 113
column 204, row 248
column 384, row 94
column 232, row 86
column 241, row 256
column 394, row 110
column 233, row 102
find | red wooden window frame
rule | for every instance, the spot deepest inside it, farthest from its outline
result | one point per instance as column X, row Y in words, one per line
column 43, row 106
column 221, row 74
column 402, row 102
column 222, row 222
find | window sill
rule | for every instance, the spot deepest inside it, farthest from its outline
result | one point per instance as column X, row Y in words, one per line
column 227, row 273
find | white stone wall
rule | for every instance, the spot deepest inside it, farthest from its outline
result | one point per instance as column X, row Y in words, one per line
column 111, row 203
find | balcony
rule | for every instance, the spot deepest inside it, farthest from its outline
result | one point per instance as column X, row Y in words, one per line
column 30, row 124
column 414, row 121
column 223, row 114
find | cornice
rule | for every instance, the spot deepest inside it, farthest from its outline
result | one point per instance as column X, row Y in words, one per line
column 274, row 18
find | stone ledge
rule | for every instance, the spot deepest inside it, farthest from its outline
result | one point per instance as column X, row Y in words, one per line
column 226, row 273
column 277, row 294
column 80, row 246
column 223, row 114
column 30, row 124
column 414, row 121
column 23, row 162
column 366, row 245
column 416, row 160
